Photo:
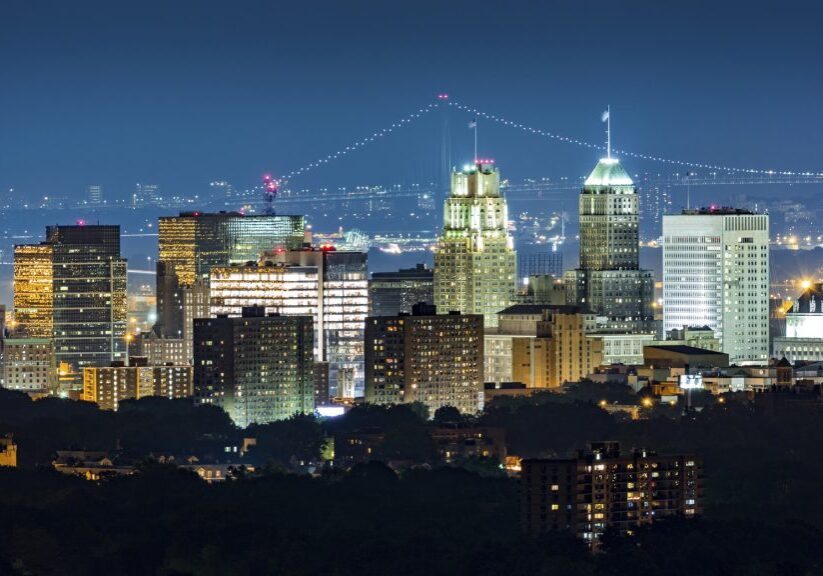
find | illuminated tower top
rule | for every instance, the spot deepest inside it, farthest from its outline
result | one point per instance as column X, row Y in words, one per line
column 475, row 204
column 609, row 218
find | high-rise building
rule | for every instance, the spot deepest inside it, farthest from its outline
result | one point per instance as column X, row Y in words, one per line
column 72, row 288
column 475, row 261
column 606, row 490
column 425, row 357
column 327, row 284
column 258, row 367
column 28, row 364
column 191, row 244
column 716, row 274
column 194, row 242
column 609, row 281
column 391, row 293
column 94, row 195
column 110, row 385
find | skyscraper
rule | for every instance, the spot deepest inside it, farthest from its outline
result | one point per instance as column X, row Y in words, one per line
column 425, row 357
column 191, row 244
column 609, row 281
column 329, row 285
column 716, row 274
column 72, row 288
column 258, row 367
column 475, row 261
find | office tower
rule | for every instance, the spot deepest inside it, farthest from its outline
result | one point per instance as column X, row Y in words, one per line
column 327, row 284
column 29, row 365
column 475, row 261
column 110, row 385
column 194, row 242
column 540, row 260
column 34, row 290
column 79, row 298
column 258, row 367
column 425, row 357
column 609, row 281
column 606, row 490
column 94, row 194
column 716, row 274
column 391, row 293
column 803, row 338
column 145, row 195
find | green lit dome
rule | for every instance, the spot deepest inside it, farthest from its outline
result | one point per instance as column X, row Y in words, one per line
column 608, row 172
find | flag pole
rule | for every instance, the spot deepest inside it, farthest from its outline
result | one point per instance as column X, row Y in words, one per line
column 475, row 140
column 609, row 131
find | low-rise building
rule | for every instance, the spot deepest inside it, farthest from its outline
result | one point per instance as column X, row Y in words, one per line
column 8, row 452
column 606, row 489
column 29, row 364
column 91, row 465
column 108, row 386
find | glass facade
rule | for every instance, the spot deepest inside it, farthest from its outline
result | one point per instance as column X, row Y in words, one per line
column 88, row 303
column 329, row 285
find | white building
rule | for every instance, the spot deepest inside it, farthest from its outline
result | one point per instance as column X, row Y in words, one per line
column 716, row 274
column 331, row 286
column 804, row 328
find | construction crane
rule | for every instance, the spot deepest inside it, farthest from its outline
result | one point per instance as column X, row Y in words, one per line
column 270, row 187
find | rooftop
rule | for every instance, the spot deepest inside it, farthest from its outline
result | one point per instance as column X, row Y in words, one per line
column 716, row 211
column 608, row 172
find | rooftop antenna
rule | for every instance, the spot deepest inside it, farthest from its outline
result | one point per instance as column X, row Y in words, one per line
column 608, row 120
column 473, row 126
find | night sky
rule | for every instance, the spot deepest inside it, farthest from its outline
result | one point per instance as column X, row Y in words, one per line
column 181, row 93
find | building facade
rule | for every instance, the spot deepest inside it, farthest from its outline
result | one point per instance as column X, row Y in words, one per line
column 329, row 285
column 192, row 243
column 29, row 365
column 425, row 357
column 110, row 385
column 72, row 288
column 475, row 261
column 257, row 367
column 609, row 281
column 605, row 489
column 544, row 262
column 716, row 273
column 391, row 293
column 803, row 337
